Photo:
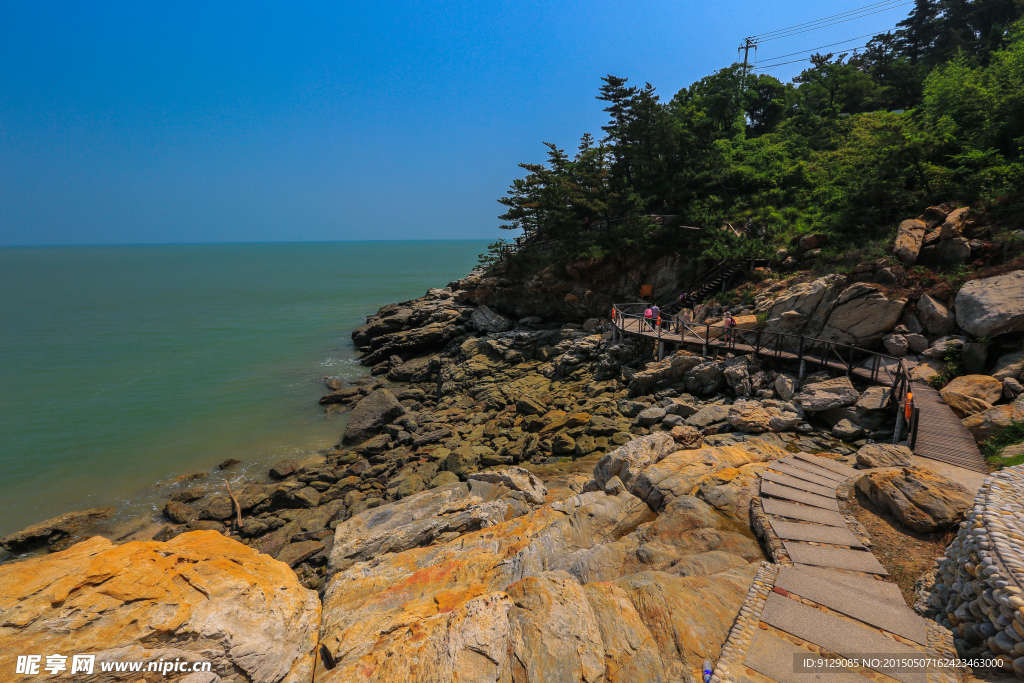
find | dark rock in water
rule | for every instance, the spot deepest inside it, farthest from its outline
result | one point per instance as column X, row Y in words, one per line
column 230, row 462
column 179, row 513
column 283, row 469
column 340, row 396
column 204, row 525
column 332, row 383
column 57, row 533
column 371, row 414
column 188, row 495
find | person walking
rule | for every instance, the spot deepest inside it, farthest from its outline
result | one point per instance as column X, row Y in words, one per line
column 656, row 315
column 649, row 317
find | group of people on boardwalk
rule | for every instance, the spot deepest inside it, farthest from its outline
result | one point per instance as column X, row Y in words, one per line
column 653, row 319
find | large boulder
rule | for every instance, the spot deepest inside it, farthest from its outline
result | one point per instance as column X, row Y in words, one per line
column 749, row 417
column 909, row 240
column 678, row 473
column 805, row 306
column 992, row 306
column 486, row 320
column 370, row 415
column 934, row 315
column 1010, row 365
column 862, row 315
column 198, row 597
column 990, row 422
column 55, row 534
column 628, row 461
column 515, row 479
column 972, row 394
column 884, row 455
column 920, row 499
column 832, row 393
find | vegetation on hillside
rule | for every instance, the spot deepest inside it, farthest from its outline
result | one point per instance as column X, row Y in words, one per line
column 932, row 111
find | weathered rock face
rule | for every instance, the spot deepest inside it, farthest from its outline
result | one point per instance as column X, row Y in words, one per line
column 832, row 393
column 934, row 315
column 805, row 306
column 486, row 320
column 971, row 394
column 919, row 498
column 371, row 414
column 990, row 422
column 677, row 474
column 909, row 240
column 198, row 597
column 55, row 534
column 827, row 309
column 862, row 315
column 628, row 461
column 884, row 455
column 1010, row 365
column 992, row 306
column 573, row 591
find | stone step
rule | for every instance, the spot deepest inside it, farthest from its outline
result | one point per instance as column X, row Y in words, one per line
column 788, row 493
column 806, row 513
column 883, row 590
column 776, row 658
column 826, row 463
column 813, row 469
column 838, row 635
column 844, row 599
column 799, row 473
column 800, row 484
column 840, row 558
column 818, row 533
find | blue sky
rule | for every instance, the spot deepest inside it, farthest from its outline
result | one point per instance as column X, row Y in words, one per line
column 236, row 122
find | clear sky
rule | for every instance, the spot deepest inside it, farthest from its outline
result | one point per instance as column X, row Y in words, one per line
column 234, row 122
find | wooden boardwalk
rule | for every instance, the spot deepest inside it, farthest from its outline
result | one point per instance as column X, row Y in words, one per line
column 935, row 432
column 940, row 435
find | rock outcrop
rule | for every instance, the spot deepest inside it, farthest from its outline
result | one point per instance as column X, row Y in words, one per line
column 884, row 455
column 55, row 534
column 990, row 422
column 371, row 414
column 918, row 498
column 992, row 305
column 583, row 589
column 199, row 597
column 909, row 240
column 827, row 395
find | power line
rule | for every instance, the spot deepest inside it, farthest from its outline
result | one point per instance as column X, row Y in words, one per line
column 832, row 20
column 809, row 50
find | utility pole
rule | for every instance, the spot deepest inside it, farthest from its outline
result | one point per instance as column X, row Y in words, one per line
column 747, row 44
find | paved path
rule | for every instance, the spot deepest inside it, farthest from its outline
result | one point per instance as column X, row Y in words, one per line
column 829, row 596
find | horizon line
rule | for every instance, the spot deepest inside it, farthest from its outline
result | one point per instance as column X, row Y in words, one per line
column 197, row 244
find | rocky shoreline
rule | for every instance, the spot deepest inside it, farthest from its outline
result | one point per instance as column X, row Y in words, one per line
column 524, row 498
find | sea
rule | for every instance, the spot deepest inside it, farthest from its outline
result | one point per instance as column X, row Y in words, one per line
column 126, row 369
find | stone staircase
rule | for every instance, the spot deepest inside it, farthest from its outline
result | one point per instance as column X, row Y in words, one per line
column 826, row 595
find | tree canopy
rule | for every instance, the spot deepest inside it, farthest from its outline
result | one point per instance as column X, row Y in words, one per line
column 932, row 111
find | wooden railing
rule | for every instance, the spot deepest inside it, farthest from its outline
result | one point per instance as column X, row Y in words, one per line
column 878, row 368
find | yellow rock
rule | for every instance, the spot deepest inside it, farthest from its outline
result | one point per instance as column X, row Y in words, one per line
column 981, row 387
column 199, row 596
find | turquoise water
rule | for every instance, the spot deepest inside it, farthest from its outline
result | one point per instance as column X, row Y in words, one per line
column 125, row 366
